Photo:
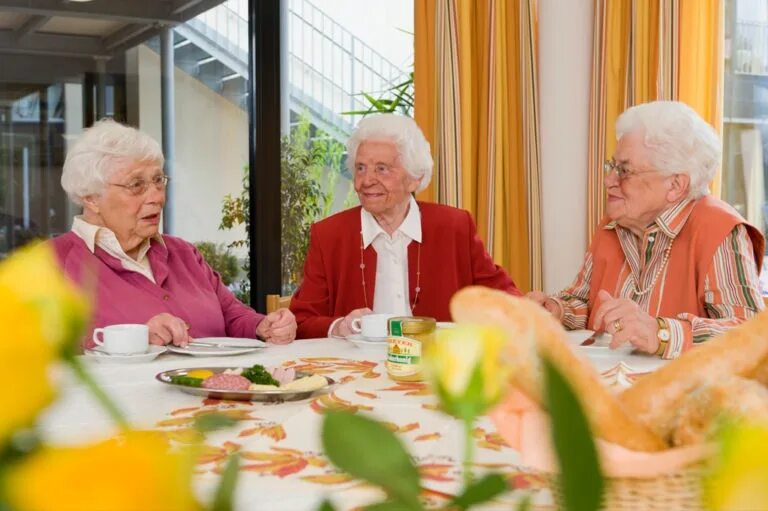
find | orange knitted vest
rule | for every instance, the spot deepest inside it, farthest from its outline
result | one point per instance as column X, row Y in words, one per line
column 708, row 225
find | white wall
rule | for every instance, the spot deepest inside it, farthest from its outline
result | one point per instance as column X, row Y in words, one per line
column 211, row 149
column 565, row 63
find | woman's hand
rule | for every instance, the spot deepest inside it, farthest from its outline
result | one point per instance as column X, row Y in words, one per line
column 343, row 328
column 277, row 327
column 546, row 302
column 624, row 319
column 166, row 329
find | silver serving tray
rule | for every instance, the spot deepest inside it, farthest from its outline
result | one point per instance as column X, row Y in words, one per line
column 273, row 396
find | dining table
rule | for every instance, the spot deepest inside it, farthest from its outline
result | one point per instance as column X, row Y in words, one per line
column 282, row 465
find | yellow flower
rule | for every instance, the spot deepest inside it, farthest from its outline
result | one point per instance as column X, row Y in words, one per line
column 25, row 357
column 133, row 472
column 33, row 274
column 739, row 479
column 464, row 365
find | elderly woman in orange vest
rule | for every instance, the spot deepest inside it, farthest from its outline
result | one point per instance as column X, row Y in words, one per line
column 670, row 265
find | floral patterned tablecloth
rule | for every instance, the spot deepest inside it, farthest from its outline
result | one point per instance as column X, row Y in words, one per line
column 282, row 466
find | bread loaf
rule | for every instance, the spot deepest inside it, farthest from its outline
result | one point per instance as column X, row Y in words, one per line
column 533, row 332
column 734, row 398
column 656, row 397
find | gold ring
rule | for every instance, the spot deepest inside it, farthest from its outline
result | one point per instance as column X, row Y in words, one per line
column 617, row 325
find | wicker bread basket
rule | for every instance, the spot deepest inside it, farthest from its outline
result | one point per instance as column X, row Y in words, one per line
column 678, row 491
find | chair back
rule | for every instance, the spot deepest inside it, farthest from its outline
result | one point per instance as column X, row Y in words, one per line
column 275, row 302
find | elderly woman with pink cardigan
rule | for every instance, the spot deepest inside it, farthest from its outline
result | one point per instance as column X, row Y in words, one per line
column 135, row 274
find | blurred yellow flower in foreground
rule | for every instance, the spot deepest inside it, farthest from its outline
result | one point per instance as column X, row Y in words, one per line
column 132, row 472
column 740, row 477
column 25, row 357
column 464, row 366
column 34, row 276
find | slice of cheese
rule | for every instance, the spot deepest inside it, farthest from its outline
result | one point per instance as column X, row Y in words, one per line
column 313, row 382
column 258, row 386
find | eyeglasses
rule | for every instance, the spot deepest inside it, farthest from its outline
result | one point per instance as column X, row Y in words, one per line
column 140, row 186
column 621, row 171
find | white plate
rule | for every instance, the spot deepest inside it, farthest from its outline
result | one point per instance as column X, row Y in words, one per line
column 446, row 324
column 232, row 342
column 576, row 337
column 210, row 351
column 366, row 341
column 101, row 356
column 605, row 351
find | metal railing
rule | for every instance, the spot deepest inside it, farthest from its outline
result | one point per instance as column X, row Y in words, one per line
column 328, row 67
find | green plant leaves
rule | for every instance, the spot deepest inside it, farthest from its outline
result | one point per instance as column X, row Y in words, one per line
column 581, row 481
column 326, row 506
column 481, row 490
column 222, row 500
column 367, row 450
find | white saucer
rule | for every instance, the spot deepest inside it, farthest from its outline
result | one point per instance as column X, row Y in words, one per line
column 137, row 358
column 360, row 340
column 211, row 351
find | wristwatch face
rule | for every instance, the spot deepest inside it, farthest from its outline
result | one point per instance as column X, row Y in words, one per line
column 663, row 334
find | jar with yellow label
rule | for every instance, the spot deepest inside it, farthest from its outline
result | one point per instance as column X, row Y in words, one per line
column 408, row 336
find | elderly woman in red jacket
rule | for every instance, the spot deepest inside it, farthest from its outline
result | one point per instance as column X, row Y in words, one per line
column 391, row 254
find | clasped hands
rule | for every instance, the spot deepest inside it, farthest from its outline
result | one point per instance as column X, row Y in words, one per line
column 277, row 327
column 620, row 317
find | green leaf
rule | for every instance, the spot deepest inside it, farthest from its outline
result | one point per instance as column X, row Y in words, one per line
column 367, row 450
column 389, row 505
column 222, row 500
column 580, row 479
column 525, row 503
column 326, row 506
column 481, row 490
column 212, row 421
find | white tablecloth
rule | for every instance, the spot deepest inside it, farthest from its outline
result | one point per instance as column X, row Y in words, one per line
column 283, row 467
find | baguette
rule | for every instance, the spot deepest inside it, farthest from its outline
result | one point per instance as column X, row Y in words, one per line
column 761, row 373
column 531, row 332
column 656, row 397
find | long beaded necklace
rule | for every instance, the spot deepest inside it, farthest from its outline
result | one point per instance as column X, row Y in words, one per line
column 641, row 292
column 418, row 275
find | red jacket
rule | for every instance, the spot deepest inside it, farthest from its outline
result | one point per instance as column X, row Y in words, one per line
column 452, row 257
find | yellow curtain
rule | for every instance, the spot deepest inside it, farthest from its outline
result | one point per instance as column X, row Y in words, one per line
column 701, row 30
column 645, row 50
column 480, row 112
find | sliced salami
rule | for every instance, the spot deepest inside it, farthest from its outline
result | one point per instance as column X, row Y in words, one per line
column 226, row 382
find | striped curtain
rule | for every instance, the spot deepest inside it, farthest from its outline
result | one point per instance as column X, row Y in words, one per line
column 646, row 50
column 476, row 100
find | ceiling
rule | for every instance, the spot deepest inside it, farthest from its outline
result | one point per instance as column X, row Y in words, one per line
column 88, row 30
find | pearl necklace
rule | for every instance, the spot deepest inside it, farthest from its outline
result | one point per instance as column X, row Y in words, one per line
column 418, row 275
column 641, row 292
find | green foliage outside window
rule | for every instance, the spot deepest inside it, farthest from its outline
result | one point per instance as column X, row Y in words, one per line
column 310, row 167
column 221, row 259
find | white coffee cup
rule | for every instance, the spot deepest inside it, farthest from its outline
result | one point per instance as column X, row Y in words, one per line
column 372, row 326
column 122, row 339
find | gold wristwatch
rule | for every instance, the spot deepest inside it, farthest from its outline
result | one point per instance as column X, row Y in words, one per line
column 663, row 335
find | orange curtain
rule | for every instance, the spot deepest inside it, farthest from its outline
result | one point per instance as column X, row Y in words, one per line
column 646, row 50
column 480, row 110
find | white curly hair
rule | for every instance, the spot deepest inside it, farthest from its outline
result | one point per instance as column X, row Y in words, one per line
column 679, row 141
column 412, row 147
column 99, row 151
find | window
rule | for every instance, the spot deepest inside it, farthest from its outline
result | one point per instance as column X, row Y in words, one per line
column 745, row 112
column 62, row 73
column 338, row 52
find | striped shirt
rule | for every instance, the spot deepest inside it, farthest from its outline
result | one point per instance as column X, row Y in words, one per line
column 731, row 285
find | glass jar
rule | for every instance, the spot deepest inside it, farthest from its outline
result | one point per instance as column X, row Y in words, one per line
column 408, row 336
